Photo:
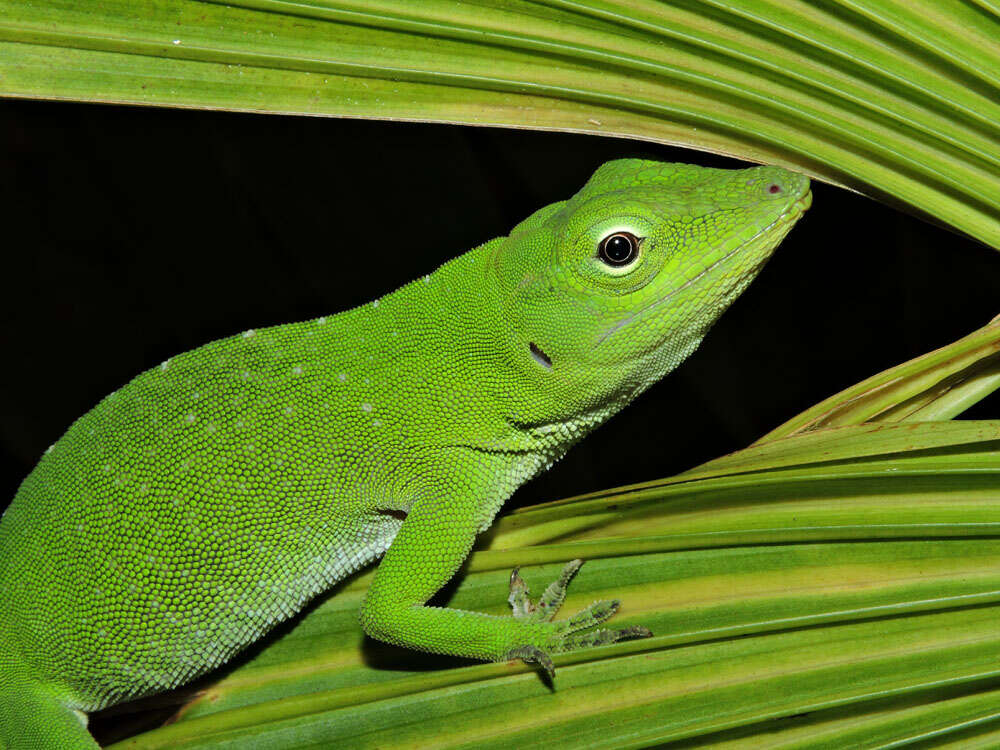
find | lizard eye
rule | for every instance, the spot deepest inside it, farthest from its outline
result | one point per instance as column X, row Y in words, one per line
column 618, row 249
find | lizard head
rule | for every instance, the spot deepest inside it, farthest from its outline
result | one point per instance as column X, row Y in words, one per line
column 607, row 292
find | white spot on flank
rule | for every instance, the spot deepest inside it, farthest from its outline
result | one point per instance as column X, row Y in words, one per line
column 297, row 370
column 165, row 364
column 288, row 410
column 189, row 418
column 366, row 407
column 322, row 320
column 342, row 377
column 375, row 303
column 49, row 449
column 249, row 334
column 177, row 41
column 427, row 279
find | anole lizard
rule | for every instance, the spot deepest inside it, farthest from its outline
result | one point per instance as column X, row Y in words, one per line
column 214, row 495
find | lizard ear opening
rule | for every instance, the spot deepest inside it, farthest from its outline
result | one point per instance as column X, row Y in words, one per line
column 540, row 357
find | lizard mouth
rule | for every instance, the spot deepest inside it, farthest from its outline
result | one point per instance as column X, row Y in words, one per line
column 786, row 218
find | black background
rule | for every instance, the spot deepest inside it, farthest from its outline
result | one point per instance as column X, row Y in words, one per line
column 131, row 234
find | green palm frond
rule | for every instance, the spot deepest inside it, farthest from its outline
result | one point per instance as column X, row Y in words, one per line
column 899, row 99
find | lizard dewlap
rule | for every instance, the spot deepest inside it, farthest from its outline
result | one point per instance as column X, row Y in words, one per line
column 214, row 495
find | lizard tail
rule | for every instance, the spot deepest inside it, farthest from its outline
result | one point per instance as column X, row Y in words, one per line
column 32, row 718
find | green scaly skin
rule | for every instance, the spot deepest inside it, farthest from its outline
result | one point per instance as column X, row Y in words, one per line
column 216, row 494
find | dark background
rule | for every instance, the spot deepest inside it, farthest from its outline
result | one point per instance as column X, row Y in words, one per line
column 130, row 235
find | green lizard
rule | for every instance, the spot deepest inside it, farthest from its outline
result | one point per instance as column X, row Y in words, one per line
column 214, row 495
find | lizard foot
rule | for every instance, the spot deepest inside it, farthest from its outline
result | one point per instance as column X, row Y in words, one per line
column 566, row 635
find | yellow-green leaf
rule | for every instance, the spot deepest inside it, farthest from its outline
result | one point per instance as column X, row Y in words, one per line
column 896, row 99
column 937, row 385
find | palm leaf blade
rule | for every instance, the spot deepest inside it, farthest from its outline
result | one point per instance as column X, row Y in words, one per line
column 895, row 101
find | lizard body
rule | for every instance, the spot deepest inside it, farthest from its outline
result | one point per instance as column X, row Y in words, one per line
column 214, row 495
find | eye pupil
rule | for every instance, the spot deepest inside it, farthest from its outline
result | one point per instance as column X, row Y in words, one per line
column 619, row 249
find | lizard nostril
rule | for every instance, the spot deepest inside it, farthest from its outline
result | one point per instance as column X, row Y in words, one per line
column 774, row 188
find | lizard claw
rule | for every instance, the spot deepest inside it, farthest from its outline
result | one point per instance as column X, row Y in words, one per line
column 533, row 655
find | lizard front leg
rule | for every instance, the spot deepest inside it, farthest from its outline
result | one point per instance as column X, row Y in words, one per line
column 434, row 540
